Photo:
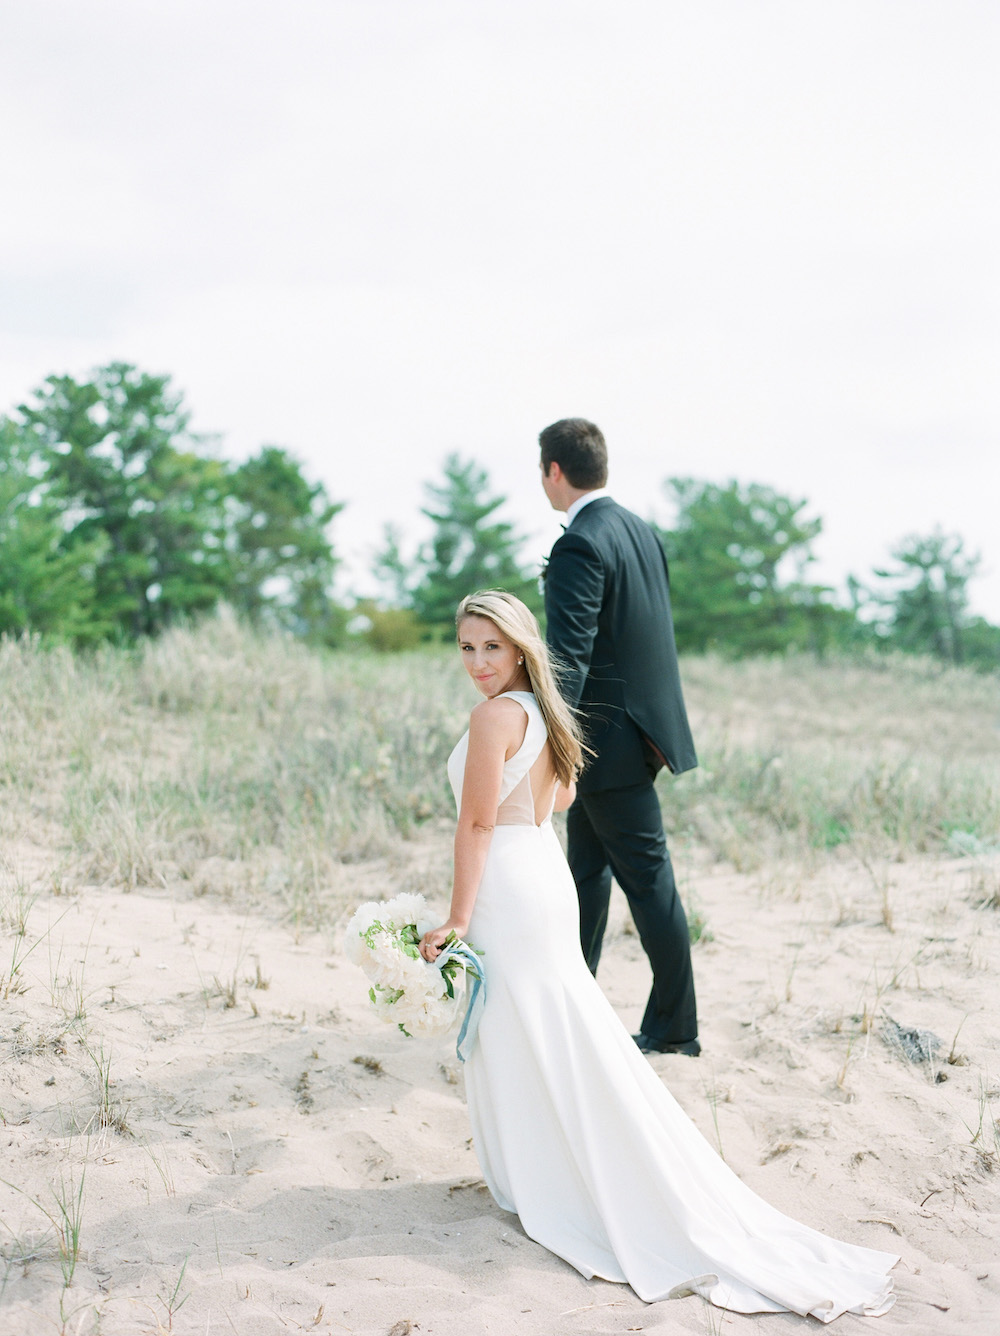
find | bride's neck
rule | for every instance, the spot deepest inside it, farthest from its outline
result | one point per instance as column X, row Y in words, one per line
column 520, row 683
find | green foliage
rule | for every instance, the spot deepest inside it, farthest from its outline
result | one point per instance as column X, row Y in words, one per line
column 738, row 559
column 922, row 603
column 121, row 465
column 116, row 520
column 44, row 586
column 389, row 630
column 469, row 549
column 393, row 570
column 283, row 562
column 981, row 644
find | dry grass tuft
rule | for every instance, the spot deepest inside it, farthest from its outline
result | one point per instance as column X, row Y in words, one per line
column 241, row 763
column 252, row 767
column 800, row 758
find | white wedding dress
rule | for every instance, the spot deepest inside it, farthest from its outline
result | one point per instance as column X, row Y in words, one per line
column 574, row 1130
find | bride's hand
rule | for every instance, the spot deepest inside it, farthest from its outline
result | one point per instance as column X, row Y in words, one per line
column 432, row 943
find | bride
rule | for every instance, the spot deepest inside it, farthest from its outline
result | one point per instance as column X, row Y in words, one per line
column 573, row 1128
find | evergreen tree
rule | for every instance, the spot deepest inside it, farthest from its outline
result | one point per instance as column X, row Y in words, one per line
column 738, row 562
column 395, row 574
column 924, row 599
column 130, row 520
column 469, row 549
column 126, row 475
column 981, row 644
column 44, row 586
column 283, row 561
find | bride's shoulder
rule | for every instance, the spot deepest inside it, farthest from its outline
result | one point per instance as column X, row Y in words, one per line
column 498, row 715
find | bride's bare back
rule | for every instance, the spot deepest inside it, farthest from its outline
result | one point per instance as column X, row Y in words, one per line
column 532, row 799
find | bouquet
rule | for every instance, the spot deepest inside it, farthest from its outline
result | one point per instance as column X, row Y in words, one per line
column 407, row 991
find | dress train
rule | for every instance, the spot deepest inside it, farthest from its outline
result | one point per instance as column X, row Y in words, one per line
column 576, row 1133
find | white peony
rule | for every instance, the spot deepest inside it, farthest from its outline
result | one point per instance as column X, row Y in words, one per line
column 384, row 1006
column 395, row 914
column 434, row 1016
column 362, row 919
column 403, row 909
column 432, row 986
column 390, row 967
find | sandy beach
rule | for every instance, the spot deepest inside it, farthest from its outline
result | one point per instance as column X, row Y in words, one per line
column 204, row 1092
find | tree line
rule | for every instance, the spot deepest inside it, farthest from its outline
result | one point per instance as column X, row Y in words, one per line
column 116, row 520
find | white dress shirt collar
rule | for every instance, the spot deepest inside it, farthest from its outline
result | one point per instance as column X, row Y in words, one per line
column 585, row 500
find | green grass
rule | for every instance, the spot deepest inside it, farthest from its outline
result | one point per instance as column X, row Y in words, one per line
column 251, row 765
column 890, row 757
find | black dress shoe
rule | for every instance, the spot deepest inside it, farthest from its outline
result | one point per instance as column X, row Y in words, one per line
column 691, row 1048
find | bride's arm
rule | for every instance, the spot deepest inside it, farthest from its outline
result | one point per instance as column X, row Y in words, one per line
column 565, row 797
column 492, row 735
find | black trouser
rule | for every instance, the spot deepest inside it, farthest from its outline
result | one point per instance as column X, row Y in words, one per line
column 620, row 831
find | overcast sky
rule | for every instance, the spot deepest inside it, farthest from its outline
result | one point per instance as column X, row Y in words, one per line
column 751, row 240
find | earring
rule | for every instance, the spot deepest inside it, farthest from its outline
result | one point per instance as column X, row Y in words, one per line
column 521, row 659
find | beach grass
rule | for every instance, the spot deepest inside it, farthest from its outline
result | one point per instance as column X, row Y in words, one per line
column 248, row 764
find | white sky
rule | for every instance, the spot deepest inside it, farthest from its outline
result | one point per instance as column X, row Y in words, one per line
column 749, row 239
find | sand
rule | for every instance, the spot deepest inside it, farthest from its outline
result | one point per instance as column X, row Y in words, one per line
column 253, row 1152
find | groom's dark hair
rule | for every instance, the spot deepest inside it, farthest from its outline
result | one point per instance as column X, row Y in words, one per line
column 577, row 446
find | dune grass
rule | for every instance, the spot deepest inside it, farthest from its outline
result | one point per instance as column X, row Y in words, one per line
column 887, row 757
column 242, row 763
column 251, row 765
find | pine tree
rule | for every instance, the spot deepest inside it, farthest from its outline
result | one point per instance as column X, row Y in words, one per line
column 470, row 549
column 283, row 562
column 133, row 521
column 925, row 606
column 45, row 586
column 131, row 483
column 739, row 556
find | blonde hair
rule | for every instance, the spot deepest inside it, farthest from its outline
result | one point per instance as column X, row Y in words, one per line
column 518, row 624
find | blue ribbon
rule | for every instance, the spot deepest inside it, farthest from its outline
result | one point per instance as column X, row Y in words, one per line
column 475, row 992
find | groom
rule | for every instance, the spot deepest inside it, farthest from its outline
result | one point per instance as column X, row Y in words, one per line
column 607, row 603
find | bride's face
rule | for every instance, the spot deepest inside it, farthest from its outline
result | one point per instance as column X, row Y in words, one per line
column 490, row 659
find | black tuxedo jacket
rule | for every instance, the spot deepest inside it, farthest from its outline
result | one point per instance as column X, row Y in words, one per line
column 607, row 604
